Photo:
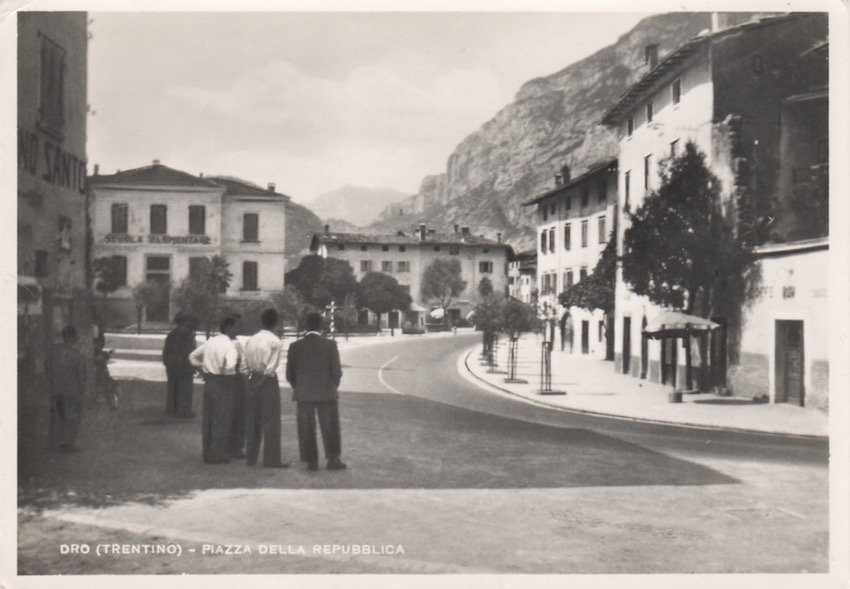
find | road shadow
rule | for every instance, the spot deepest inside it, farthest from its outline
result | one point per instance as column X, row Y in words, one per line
column 389, row 441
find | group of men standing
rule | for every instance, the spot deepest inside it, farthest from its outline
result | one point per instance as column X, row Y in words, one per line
column 241, row 405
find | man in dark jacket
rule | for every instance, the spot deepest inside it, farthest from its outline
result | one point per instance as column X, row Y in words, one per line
column 314, row 371
column 178, row 370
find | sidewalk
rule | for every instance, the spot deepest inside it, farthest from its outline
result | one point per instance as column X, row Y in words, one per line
column 593, row 386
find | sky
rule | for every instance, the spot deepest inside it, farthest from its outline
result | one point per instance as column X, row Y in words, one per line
column 316, row 101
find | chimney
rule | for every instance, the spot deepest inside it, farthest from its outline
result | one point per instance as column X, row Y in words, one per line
column 465, row 232
column 271, row 186
column 499, row 237
column 456, row 227
column 559, row 179
column 327, row 229
column 651, row 55
column 565, row 174
column 156, row 162
column 422, row 232
column 201, row 175
column 96, row 169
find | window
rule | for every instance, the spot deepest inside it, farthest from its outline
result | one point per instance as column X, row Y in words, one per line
column 601, row 330
column 437, row 248
column 582, row 273
column 677, row 91
column 630, row 126
column 486, row 250
column 51, row 108
column 544, row 241
column 119, row 218
column 601, row 190
column 627, row 184
column 454, row 250
column 386, row 266
column 584, row 234
column 552, row 240
column 485, row 267
column 385, row 248
column 545, row 210
column 195, row 265
column 365, row 265
column 340, row 246
column 64, row 233
column 569, row 203
column 568, row 237
column 674, row 147
column 602, row 235
column 120, row 264
column 402, row 248
column 647, row 163
column 649, row 111
column 249, row 276
column 159, row 219
column 197, row 220
column 568, row 279
column 403, row 266
column 552, row 209
column 251, row 227
column 158, row 264
column 40, row 264
column 585, row 196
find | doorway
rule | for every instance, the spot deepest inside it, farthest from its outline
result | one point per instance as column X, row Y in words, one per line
column 627, row 344
column 644, row 349
column 585, row 337
column 789, row 364
column 158, row 271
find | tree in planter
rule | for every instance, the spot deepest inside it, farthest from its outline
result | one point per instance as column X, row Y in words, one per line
column 146, row 294
column 106, row 279
column 381, row 293
column 321, row 280
column 442, row 282
column 201, row 291
column 517, row 318
column 488, row 315
column 681, row 250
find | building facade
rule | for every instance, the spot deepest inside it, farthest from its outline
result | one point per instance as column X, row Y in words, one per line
column 405, row 258
column 575, row 220
column 52, row 254
column 522, row 276
column 727, row 91
column 157, row 223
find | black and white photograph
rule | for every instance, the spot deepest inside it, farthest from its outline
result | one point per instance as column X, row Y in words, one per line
column 496, row 295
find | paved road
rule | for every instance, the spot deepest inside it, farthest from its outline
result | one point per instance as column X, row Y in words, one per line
column 448, row 478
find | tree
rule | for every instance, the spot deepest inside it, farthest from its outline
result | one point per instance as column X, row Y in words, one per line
column 595, row 291
column 442, row 282
column 681, row 250
column 485, row 287
column 321, row 280
column 145, row 294
column 488, row 316
column 381, row 293
column 106, row 278
column 200, row 292
column 290, row 305
column 517, row 318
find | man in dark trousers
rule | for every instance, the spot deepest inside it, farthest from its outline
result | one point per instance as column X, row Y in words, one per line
column 216, row 360
column 261, row 359
column 179, row 343
column 66, row 378
column 314, row 371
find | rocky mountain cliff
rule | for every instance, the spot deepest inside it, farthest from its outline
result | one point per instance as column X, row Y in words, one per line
column 553, row 121
column 301, row 224
column 357, row 205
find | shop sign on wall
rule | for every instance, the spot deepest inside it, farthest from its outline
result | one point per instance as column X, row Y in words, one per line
column 166, row 239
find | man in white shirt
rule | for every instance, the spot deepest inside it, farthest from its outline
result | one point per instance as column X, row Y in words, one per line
column 216, row 359
column 262, row 407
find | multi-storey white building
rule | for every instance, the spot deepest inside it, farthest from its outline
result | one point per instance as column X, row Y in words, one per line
column 157, row 222
column 574, row 223
column 724, row 90
column 405, row 257
column 522, row 276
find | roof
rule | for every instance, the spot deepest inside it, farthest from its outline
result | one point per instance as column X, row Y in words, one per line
column 237, row 187
column 791, row 247
column 401, row 238
column 606, row 166
column 673, row 61
column 153, row 175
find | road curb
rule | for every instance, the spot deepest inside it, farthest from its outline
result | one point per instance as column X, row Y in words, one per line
column 464, row 359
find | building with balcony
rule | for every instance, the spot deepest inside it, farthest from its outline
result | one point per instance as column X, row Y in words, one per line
column 157, row 223
column 52, row 254
column 406, row 256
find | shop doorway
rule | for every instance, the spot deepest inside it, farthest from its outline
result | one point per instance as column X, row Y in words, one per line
column 585, row 337
column 789, row 363
column 644, row 349
column 158, row 270
column 627, row 344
